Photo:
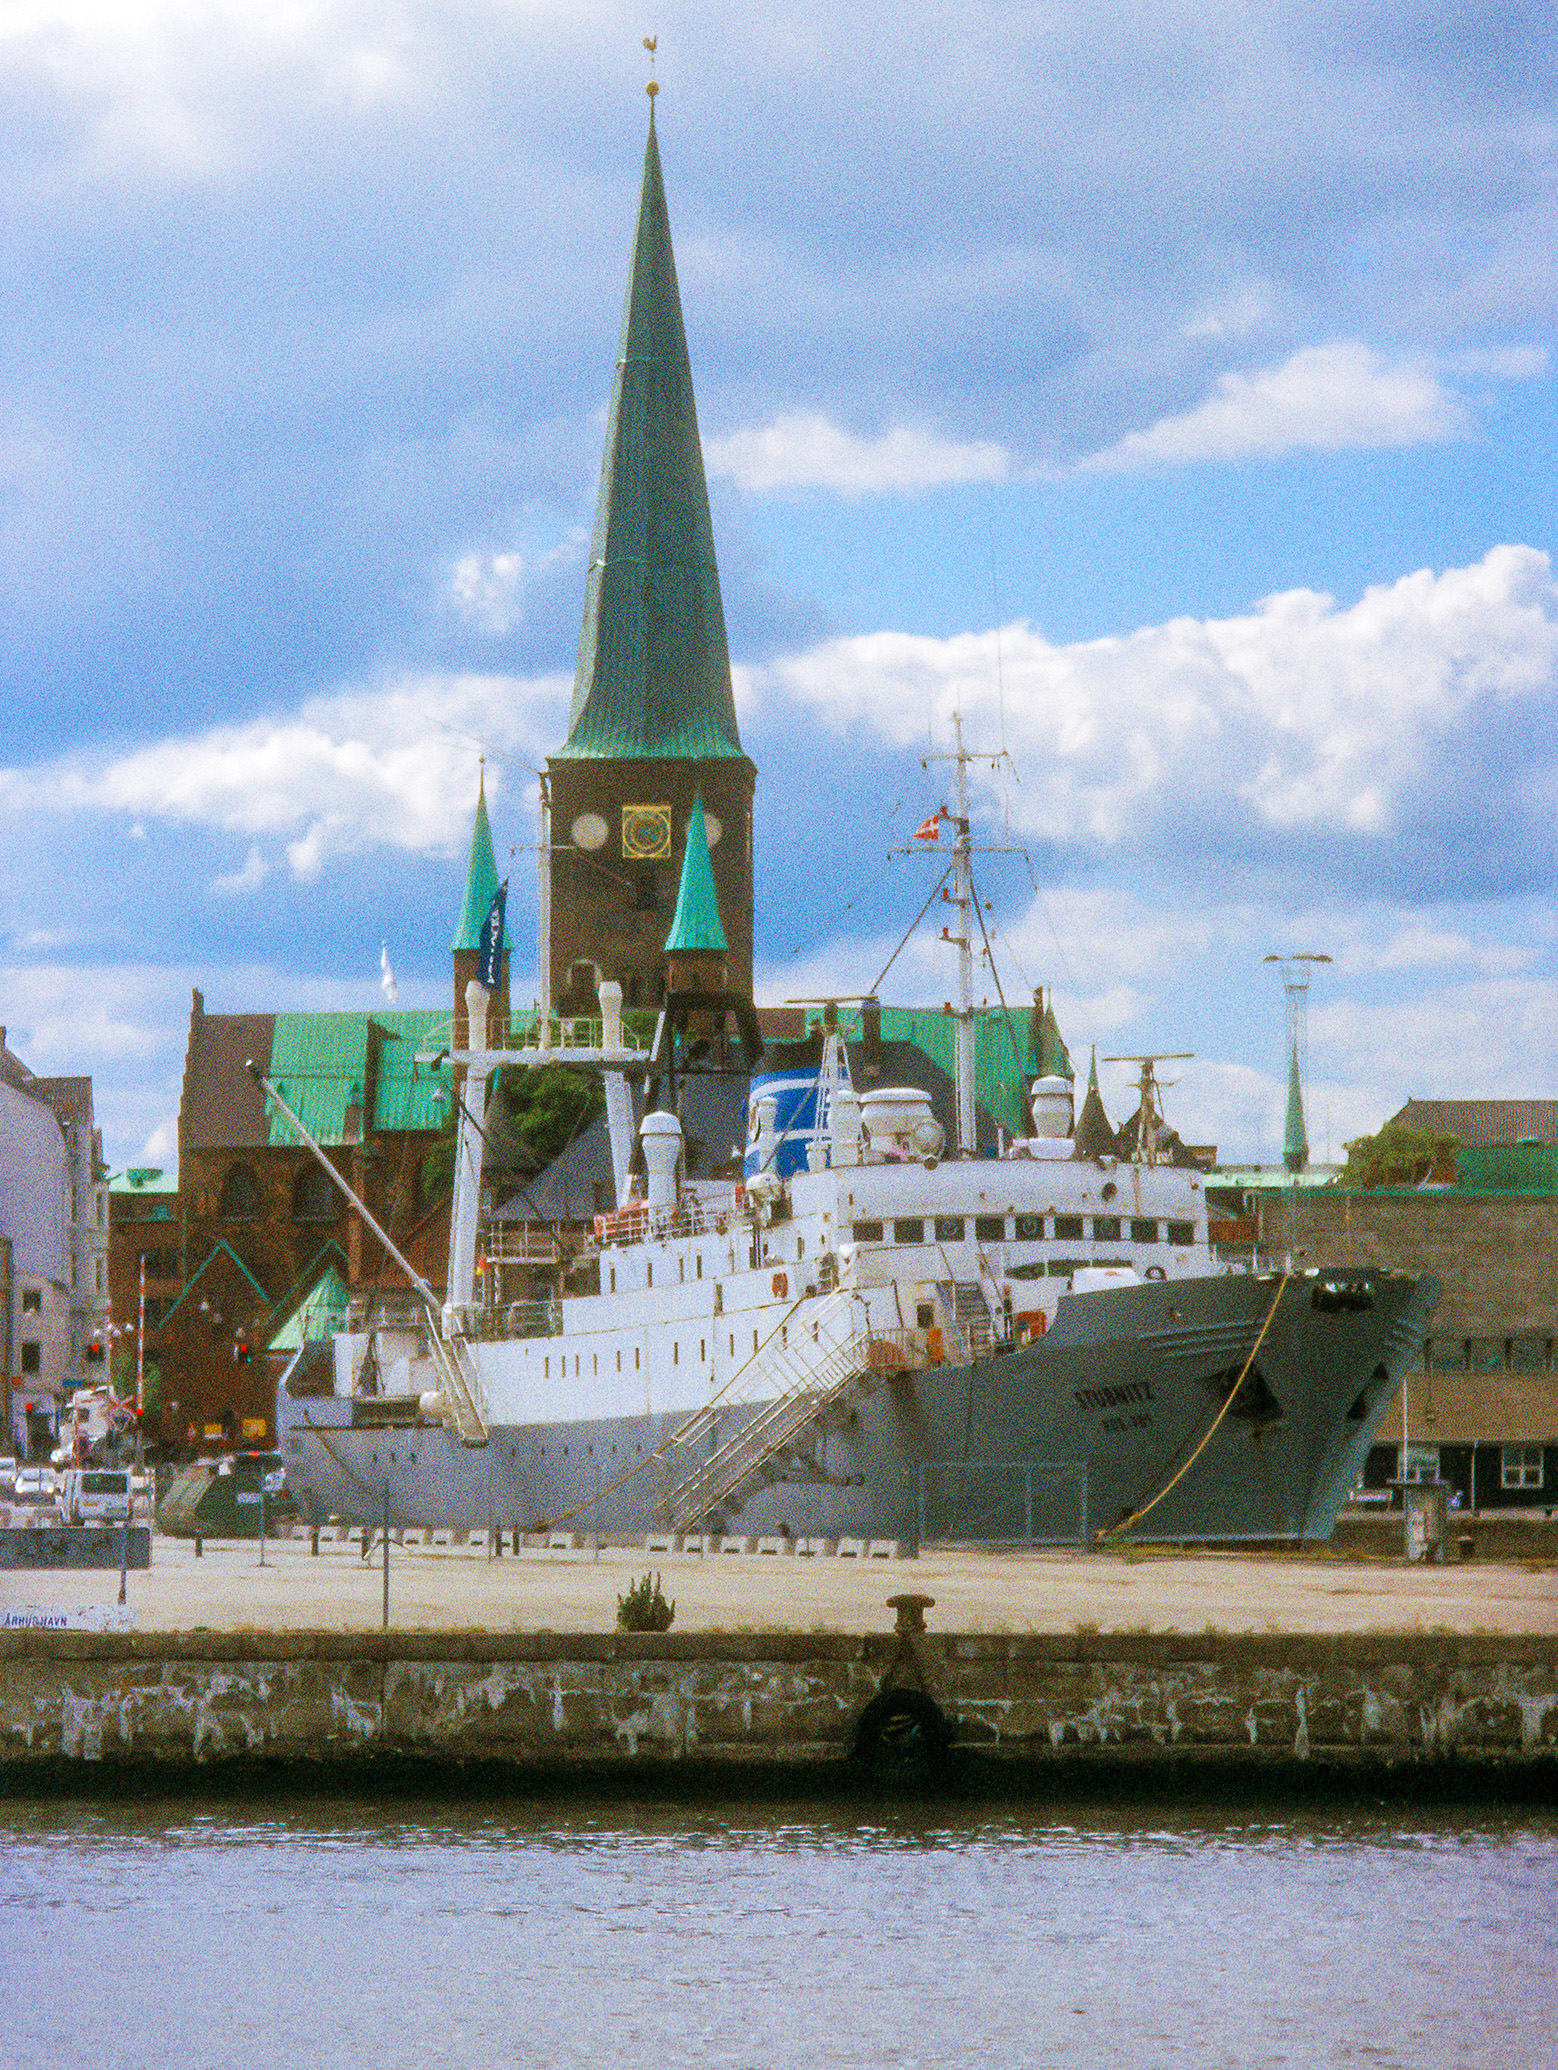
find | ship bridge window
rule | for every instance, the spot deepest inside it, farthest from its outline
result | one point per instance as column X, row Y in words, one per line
column 990, row 1228
column 909, row 1229
column 866, row 1232
column 1143, row 1231
column 1030, row 1228
column 1106, row 1229
column 698, row 1261
column 1182, row 1232
column 800, row 1246
column 681, row 1270
column 1034, row 1271
column 1062, row 1268
column 949, row 1229
column 1068, row 1228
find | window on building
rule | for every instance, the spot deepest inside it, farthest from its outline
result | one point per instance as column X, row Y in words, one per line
column 161, row 1264
column 1068, row 1228
column 1422, row 1463
column 1030, row 1228
column 1181, row 1232
column 646, row 893
column 1143, row 1231
column 31, row 1358
column 32, row 1300
column 1106, row 1228
column 240, row 1201
column 866, row 1232
column 1521, row 1466
column 989, row 1228
column 313, row 1196
column 102, row 1210
column 949, row 1229
column 102, row 1275
column 909, row 1229
column 649, row 1275
column 1447, row 1355
column 1486, row 1354
column 1529, row 1354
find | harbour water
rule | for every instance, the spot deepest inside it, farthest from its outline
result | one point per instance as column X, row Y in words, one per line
column 409, row 1934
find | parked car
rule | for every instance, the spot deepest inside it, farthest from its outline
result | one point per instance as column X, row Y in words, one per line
column 38, row 1484
column 96, row 1495
column 7, row 1478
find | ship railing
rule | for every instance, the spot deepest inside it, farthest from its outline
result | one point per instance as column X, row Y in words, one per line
column 521, row 1243
column 637, row 1222
column 509, row 1319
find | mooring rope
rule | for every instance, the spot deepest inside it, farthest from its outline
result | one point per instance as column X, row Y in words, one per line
column 1136, row 1515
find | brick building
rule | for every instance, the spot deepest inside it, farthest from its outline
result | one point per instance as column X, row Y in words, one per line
column 1482, row 1408
column 261, row 1228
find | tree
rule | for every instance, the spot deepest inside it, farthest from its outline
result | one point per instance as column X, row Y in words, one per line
column 543, row 1111
column 1395, row 1156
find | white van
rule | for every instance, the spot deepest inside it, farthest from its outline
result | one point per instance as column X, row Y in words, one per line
column 96, row 1495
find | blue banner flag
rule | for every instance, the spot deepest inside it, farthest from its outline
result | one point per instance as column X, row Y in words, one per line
column 492, row 939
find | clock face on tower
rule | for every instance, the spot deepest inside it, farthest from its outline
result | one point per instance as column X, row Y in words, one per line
column 646, row 832
column 590, row 831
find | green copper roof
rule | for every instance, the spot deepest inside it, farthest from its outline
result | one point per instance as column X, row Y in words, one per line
column 653, row 675
column 319, row 1063
column 1295, row 1140
column 1001, row 1065
column 696, row 924
column 481, row 881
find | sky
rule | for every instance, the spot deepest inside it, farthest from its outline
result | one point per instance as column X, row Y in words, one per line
column 1171, row 389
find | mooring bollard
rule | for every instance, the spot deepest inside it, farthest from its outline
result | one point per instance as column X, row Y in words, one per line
column 200, row 1545
column 313, row 1542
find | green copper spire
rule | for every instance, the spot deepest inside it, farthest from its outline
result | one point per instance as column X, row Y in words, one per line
column 653, row 675
column 1092, row 1071
column 696, row 927
column 1295, row 1140
column 481, row 881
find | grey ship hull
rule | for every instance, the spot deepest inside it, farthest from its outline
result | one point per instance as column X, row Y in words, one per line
column 1050, row 1443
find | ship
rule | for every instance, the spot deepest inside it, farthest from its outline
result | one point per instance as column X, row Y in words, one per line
column 871, row 1326
column 868, row 1334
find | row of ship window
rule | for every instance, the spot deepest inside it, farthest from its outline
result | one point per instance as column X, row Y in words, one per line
column 1026, row 1229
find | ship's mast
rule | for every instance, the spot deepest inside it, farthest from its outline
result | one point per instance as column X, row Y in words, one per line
column 963, row 899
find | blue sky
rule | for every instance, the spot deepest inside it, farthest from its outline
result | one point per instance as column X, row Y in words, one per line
column 1172, row 386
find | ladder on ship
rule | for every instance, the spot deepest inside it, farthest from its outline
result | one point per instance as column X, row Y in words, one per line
column 458, row 1384
column 971, row 1312
column 798, row 1374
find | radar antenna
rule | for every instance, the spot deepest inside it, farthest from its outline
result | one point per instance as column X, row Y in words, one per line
column 1152, row 1130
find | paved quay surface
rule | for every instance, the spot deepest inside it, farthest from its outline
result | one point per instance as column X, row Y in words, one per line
column 438, row 1589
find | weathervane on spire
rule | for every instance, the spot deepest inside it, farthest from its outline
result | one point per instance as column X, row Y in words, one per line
column 652, row 44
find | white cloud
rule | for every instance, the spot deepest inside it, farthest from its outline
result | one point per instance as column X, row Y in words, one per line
column 1325, row 398
column 385, row 767
column 489, row 590
column 1302, row 720
column 804, row 451
column 253, row 874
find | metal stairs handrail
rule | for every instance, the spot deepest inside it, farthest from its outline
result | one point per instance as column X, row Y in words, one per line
column 806, row 1388
column 460, row 1386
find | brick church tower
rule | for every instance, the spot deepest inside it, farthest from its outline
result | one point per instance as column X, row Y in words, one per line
column 653, row 722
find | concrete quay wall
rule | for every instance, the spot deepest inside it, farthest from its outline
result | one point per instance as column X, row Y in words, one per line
column 354, row 1703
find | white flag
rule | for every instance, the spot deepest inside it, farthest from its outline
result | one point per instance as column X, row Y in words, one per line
column 387, row 984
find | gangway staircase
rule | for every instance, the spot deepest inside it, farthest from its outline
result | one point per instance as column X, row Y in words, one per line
column 800, row 1373
column 459, row 1385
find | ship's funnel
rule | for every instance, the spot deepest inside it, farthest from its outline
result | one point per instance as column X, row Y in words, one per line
column 661, row 1136
column 1049, row 1102
column 611, row 1014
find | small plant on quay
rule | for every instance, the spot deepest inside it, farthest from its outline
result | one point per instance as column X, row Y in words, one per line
column 644, row 1607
